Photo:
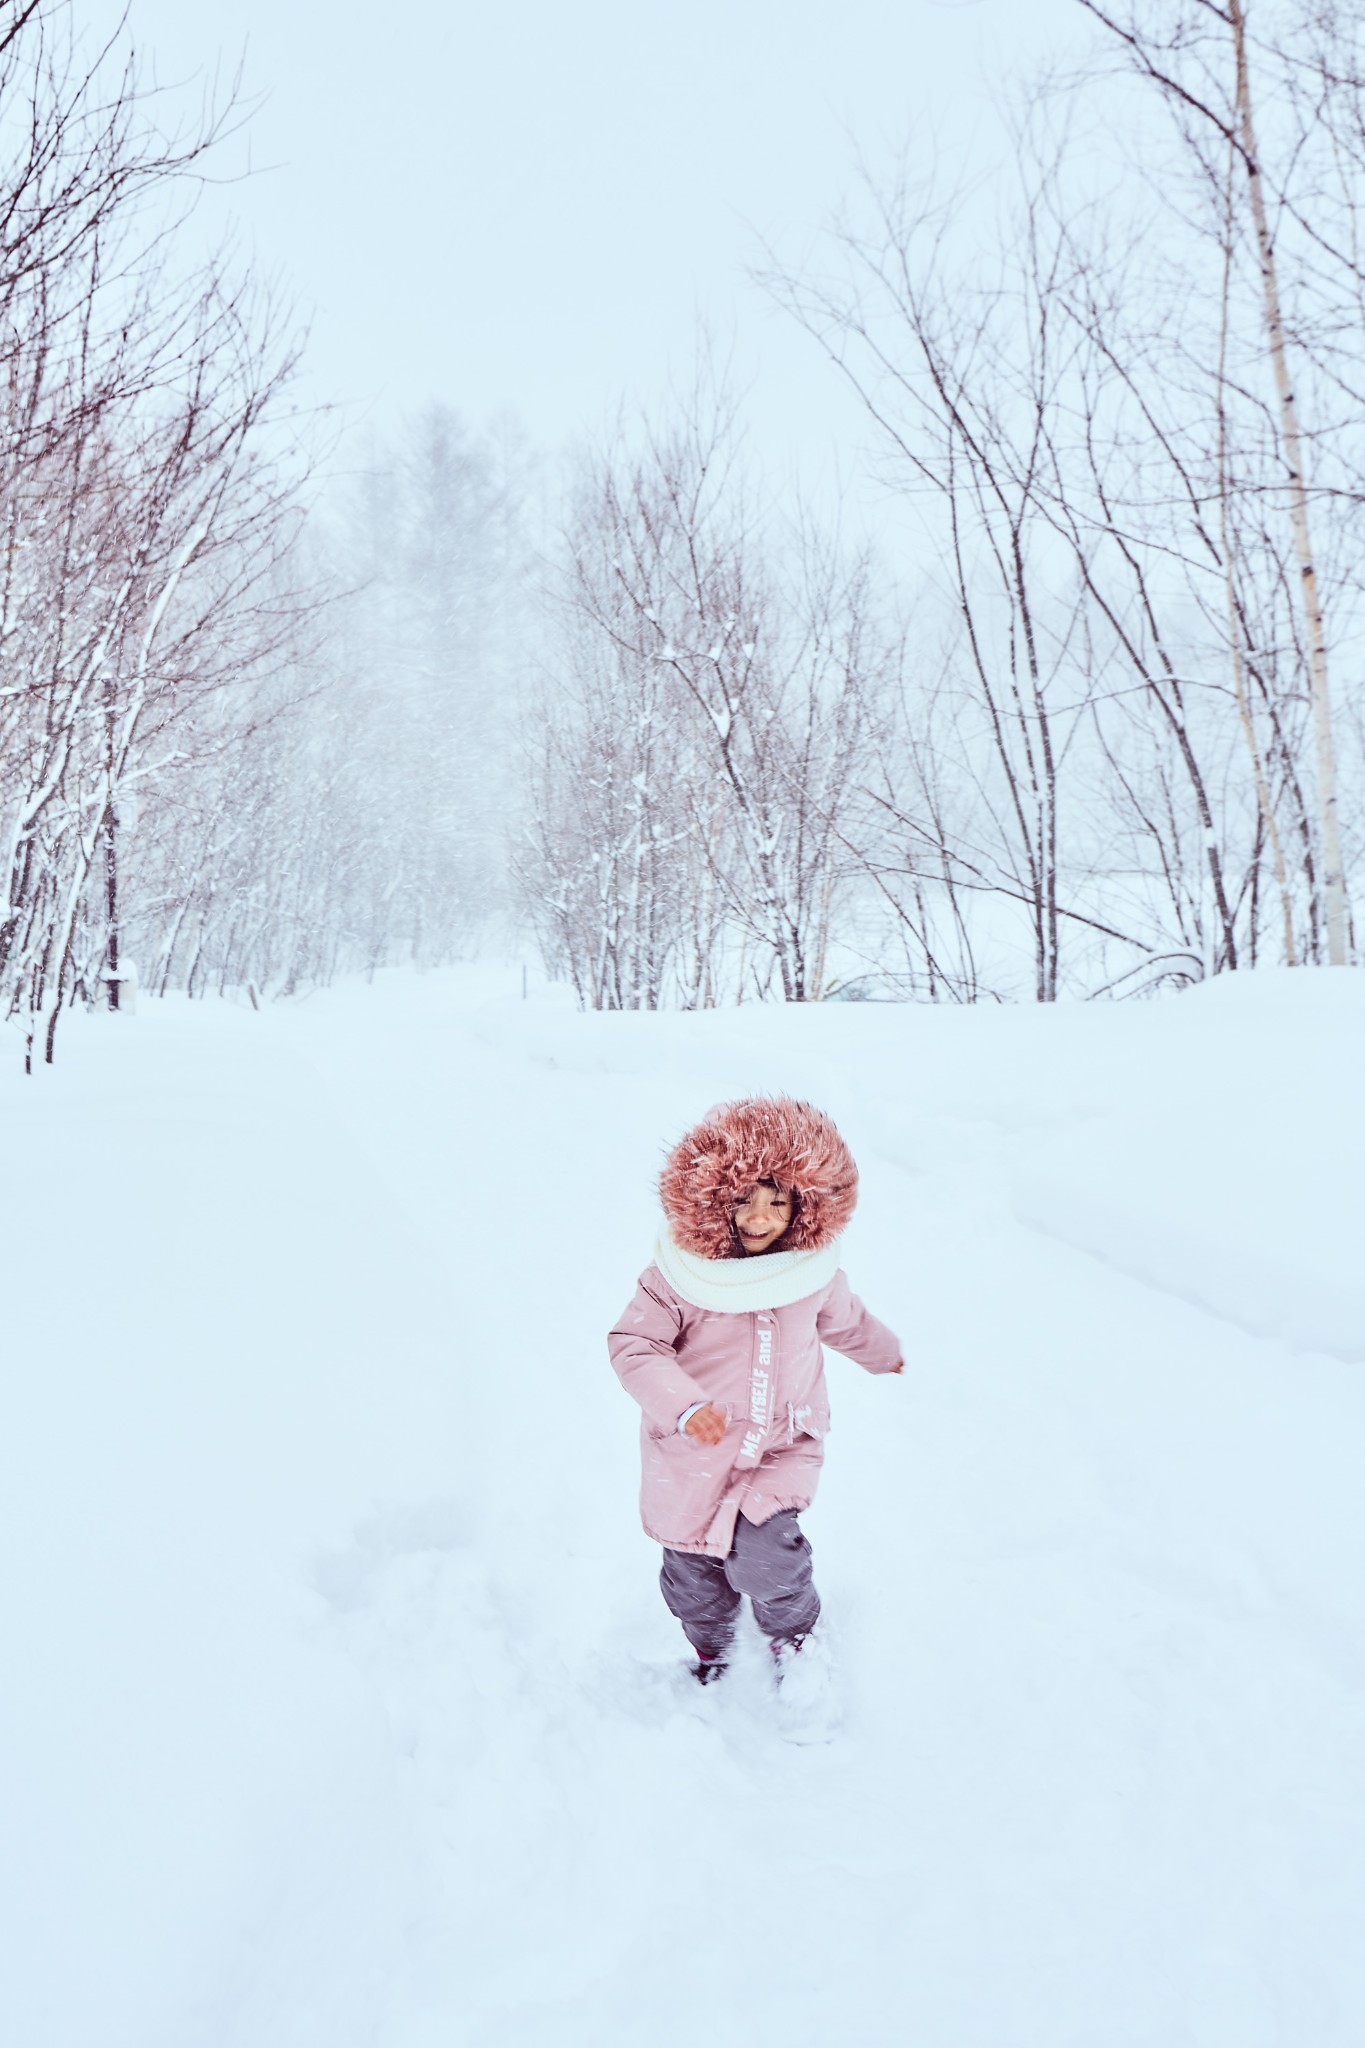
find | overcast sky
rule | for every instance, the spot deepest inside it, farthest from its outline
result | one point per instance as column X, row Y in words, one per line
column 525, row 207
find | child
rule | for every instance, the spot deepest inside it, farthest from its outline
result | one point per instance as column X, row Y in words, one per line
column 721, row 1348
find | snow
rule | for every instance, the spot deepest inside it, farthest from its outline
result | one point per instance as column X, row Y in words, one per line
column 340, row 1704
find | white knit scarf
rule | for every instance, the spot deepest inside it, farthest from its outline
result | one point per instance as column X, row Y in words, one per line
column 764, row 1280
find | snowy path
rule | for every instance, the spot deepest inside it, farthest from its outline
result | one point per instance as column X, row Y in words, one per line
column 347, row 1711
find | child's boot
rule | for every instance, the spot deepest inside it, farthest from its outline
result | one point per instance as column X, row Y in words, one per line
column 808, row 1707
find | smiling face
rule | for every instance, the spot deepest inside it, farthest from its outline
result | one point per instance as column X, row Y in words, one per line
column 762, row 1217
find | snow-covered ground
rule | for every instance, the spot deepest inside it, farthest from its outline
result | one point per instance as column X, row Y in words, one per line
column 339, row 1704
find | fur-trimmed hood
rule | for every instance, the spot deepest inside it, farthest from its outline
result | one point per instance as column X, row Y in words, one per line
column 772, row 1138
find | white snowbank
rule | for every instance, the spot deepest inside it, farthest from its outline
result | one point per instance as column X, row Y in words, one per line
column 340, row 1705
column 1226, row 1165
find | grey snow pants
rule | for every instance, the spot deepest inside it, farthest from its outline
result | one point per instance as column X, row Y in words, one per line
column 770, row 1561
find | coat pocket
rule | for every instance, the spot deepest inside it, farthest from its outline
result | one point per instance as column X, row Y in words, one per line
column 807, row 1418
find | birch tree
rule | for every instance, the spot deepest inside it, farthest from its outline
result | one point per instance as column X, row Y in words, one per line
column 1201, row 60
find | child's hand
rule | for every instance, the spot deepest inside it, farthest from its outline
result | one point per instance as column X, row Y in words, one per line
column 707, row 1425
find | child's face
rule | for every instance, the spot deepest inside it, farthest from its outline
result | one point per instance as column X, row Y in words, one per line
column 762, row 1217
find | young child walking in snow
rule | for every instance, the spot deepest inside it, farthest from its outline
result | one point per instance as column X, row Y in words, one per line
column 721, row 1348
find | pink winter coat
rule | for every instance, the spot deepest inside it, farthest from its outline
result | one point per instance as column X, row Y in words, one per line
column 764, row 1368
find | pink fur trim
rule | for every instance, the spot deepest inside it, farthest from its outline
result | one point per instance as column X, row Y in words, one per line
column 770, row 1138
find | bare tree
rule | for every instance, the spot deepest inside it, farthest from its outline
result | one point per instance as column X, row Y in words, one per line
column 965, row 381
column 1088, row 423
column 347, row 806
column 1199, row 58
column 711, row 721
column 144, row 517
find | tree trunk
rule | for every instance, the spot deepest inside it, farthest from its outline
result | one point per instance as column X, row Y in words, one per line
column 1334, row 876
